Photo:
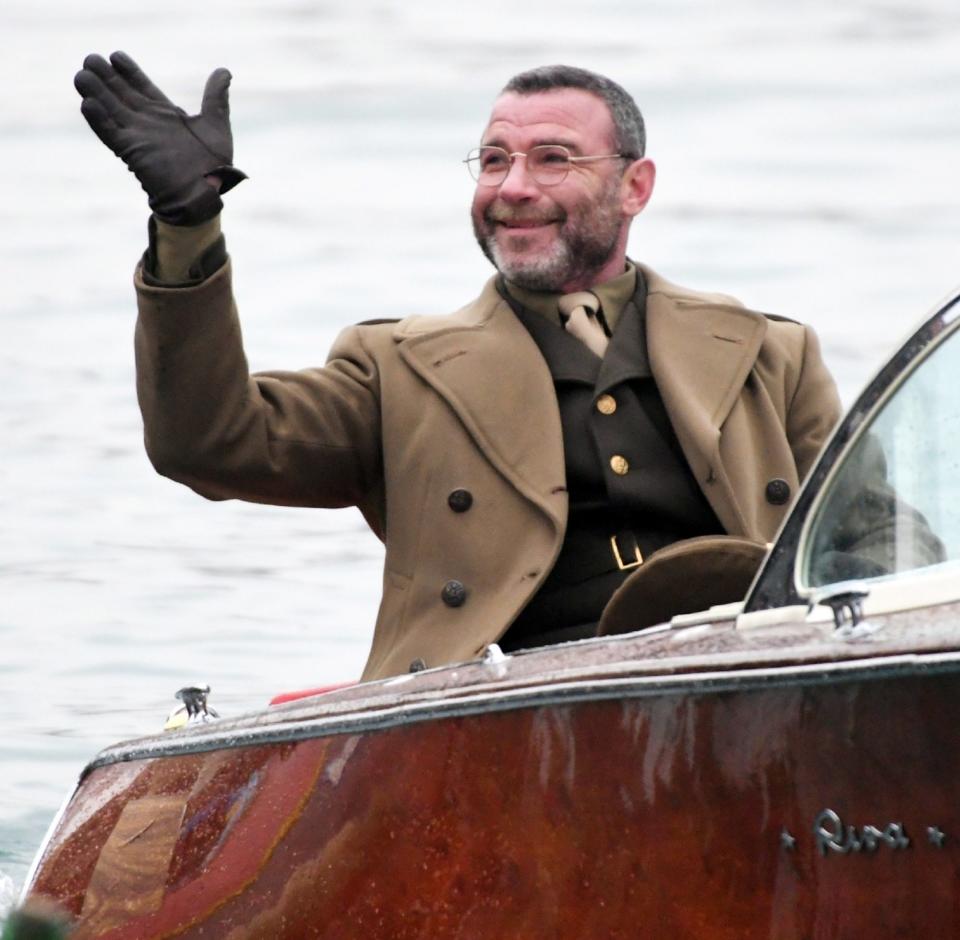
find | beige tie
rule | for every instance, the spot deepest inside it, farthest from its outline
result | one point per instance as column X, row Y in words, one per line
column 580, row 310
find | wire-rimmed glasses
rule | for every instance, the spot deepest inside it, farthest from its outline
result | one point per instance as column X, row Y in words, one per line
column 547, row 164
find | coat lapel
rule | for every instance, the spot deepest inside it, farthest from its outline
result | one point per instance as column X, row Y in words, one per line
column 701, row 353
column 484, row 364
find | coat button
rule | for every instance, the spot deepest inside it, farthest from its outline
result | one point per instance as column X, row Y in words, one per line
column 606, row 404
column 418, row 665
column 460, row 500
column 619, row 465
column 453, row 593
column 778, row 492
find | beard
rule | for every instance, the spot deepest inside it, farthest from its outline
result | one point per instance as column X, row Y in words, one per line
column 587, row 237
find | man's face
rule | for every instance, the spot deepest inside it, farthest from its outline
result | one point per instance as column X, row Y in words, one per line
column 564, row 237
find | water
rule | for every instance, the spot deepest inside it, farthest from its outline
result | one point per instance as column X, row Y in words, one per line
column 806, row 159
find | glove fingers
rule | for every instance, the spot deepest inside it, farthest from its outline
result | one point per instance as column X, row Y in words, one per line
column 101, row 123
column 120, row 88
column 97, row 64
column 136, row 78
column 93, row 89
column 216, row 99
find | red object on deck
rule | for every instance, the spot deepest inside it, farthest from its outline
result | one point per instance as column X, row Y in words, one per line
column 307, row 693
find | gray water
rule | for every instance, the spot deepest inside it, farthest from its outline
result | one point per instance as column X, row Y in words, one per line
column 807, row 158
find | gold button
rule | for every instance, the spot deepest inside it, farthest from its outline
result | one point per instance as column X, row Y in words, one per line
column 619, row 465
column 606, row 404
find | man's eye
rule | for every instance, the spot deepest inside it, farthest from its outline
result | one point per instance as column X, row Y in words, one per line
column 553, row 157
column 492, row 159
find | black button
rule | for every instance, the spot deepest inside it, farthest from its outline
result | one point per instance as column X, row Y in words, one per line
column 460, row 500
column 453, row 593
column 778, row 492
column 418, row 665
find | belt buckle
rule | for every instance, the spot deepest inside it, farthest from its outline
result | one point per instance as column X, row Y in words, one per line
column 618, row 558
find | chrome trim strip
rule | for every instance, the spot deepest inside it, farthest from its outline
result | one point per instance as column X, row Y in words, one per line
column 478, row 702
column 51, row 829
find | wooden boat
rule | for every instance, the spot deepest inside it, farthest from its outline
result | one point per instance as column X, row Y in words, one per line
column 782, row 767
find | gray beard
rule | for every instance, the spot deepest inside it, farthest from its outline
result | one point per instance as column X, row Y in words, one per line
column 547, row 274
column 581, row 250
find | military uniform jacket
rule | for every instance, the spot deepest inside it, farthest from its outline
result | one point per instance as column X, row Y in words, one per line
column 405, row 413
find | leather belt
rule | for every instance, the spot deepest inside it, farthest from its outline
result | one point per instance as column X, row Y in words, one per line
column 588, row 554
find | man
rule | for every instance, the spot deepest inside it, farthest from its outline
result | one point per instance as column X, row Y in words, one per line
column 520, row 457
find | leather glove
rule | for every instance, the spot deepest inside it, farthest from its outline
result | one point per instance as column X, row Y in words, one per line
column 169, row 151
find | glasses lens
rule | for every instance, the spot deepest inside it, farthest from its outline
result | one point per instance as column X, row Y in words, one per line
column 488, row 165
column 548, row 164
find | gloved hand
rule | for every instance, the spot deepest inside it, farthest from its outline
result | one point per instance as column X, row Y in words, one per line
column 170, row 152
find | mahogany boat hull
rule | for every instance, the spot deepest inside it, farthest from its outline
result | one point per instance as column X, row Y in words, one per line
column 792, row 801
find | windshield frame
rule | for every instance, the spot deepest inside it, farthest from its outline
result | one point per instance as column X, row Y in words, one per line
column 778, row 583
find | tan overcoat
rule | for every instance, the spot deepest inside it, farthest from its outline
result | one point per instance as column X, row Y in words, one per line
column 405, row 412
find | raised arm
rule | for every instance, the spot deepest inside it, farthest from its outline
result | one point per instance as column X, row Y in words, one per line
column 308, row 438
column 303, row 438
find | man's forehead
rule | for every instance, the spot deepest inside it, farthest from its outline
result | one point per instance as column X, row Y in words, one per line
column 570, row 112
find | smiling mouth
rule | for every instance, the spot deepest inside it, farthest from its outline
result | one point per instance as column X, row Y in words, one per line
column 511, row 221
column 523, row 226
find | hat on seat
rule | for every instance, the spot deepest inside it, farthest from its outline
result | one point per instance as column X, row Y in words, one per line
column 681, row 578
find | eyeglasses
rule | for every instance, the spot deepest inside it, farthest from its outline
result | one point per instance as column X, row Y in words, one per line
column 548, row 164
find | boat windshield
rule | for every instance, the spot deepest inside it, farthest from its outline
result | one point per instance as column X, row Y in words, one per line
column 893, row 505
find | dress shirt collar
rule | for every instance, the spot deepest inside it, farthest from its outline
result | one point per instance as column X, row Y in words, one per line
column 613, row 295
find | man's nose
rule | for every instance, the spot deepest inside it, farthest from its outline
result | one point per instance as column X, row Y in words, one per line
column 518, row 184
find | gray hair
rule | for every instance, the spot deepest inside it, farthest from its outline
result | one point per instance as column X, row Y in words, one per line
column 629, row 134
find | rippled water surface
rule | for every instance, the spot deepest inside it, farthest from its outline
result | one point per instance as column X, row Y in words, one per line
column 807, row 164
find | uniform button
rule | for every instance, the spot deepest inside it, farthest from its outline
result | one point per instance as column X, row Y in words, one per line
column 418, row 665
column 460, row 500
column 606, row 404
column 619, row 465
column 453, row 593
column 778, row 492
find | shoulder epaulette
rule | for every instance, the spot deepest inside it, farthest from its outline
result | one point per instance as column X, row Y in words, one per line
column 776, row 316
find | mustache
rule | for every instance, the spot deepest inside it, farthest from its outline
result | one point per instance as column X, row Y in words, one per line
column 501, row 213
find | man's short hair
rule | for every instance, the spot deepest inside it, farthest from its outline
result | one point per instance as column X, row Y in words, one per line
column 630, row 137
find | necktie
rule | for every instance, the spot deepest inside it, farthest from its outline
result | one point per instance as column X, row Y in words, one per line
column 579, row 314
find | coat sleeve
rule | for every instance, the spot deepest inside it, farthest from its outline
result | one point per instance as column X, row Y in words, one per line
column 814, row 408
column 306, row 438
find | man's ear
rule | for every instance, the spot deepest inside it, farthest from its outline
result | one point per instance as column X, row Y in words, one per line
column 637, row 186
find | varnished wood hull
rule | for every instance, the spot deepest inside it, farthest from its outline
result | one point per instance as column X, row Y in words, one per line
column 613, row 806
